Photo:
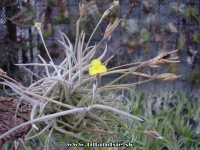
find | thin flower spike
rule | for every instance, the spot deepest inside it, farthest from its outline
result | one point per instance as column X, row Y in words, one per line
column 154, row 134
column 110, row 28
column 116, row 3
column 81, row 9
column 97, row 67
column 168, row 76
column 37, row 25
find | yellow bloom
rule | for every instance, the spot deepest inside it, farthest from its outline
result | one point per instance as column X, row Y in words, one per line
column 37, row 25
column 97, row 67
column 116, row 3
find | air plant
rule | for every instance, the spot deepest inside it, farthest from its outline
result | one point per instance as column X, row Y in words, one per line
column 63, row 16
column 170, row 28
column 61, row 19
column 24, row 18
column 144, row 34
column 152, row 22
column 148, row 6
column 131, row 26
column 68, row 104
column 192, row 12
column 196, row 37
column 176, row 105
column 177, row 8
column 143, row 39
column 158, row 37
column 181, row 41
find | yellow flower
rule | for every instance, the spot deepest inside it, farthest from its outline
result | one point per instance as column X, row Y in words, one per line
column 97, row 67
column 116, row 3
column 37, row 25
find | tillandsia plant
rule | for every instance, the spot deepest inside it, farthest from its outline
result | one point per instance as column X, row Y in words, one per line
column 68, row 105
